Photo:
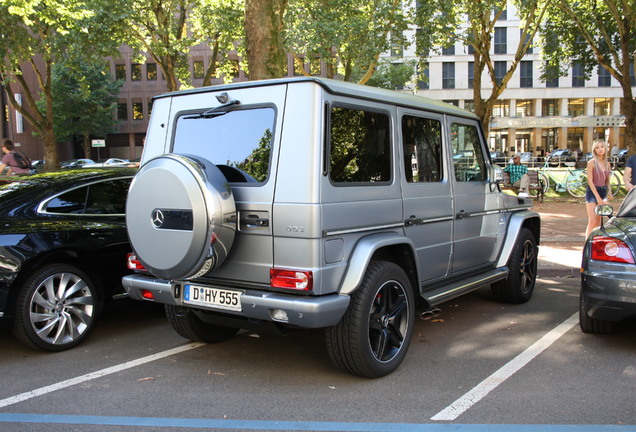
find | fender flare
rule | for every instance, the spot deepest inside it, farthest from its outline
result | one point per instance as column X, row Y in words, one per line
column 361, row 256
column 519, row 220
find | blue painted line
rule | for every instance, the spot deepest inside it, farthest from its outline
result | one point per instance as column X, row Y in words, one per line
column 158, row 422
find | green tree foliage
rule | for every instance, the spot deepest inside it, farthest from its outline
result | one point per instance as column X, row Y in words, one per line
column 348, row 35
column 392, row 76
column 84, row 102
column 33, row 35
column 220, row 24
column 442, row 23
column 592, row 33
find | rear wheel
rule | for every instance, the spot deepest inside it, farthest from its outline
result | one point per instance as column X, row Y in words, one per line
column 185, row 322
column 576, row 183
column 373, row 337
column 594, row 326
column 56, row 308
column 615, row 183
column 519, row 285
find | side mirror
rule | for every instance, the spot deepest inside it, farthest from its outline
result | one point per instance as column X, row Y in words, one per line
column 604, row 210
column 496, row 174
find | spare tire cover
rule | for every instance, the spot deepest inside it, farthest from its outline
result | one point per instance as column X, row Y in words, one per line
column 180, row 216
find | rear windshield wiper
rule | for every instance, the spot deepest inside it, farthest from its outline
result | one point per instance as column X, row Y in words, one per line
column 214, row 112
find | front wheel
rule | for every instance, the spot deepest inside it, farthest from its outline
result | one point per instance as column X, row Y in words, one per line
column 576, row 183
column 519, row 285
column 373, row 336
column 56, row 308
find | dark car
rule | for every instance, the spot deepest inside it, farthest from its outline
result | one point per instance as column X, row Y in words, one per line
column 76, row 163
column 63, row 247
column 608, row 285
column 560, row 157
column 621, row 157
column 498, row 158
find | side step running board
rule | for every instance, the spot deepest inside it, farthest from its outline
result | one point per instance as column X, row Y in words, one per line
column 450, row 291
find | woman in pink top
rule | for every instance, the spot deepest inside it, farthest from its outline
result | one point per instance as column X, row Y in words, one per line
column 598, row 182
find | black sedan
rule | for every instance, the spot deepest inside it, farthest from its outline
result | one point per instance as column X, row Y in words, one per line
column 608, row 278
column 63, row 248
column 560, row 157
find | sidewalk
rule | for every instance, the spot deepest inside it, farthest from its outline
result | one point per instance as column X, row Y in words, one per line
column 562, row 237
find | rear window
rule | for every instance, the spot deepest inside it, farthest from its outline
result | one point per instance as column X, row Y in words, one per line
column 238, row 142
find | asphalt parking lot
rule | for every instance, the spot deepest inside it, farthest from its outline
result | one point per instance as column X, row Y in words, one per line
column 479, row 366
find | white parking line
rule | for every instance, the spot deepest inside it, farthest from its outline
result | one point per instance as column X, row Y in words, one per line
column 486, row 386
column 98, row 374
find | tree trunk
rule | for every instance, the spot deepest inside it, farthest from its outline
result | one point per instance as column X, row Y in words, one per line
column 266, row 55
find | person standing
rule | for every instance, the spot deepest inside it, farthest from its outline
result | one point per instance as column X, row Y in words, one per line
column 629, row 176
column 598, row 182
column 518, row 175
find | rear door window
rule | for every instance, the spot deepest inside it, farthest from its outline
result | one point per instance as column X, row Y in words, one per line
column 239, row 142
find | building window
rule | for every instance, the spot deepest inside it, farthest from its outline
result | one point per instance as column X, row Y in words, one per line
column 604, row 77
column 122, row 111
column 453, row 102
column 471, row 74
column 149, row 105
column 397, row 50
column 198, row 71
column 527, row 37
column 135, row 72
column 501, row 108
column 120, row 72
column 602, row 107
column 501, row 40
column 631, row 74
column 576, row 107
column 151, row 71
column 137, row 111
column 578, row 74
column 423, row 77
column 525, row 70
column 471, row 50
column 500, row 71
column 448, row 75
column 550, row 107
column 503, row 16
column 449, row 50
column 524, row 108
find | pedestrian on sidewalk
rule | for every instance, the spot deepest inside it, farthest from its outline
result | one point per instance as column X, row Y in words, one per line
column 518, row 175
column 598, row 182
column 629, row 176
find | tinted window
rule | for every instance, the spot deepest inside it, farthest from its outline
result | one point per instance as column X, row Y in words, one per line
column 238, row 142
column 422, row 140
column 108, row 197
column 360, row 150
column 468, row 158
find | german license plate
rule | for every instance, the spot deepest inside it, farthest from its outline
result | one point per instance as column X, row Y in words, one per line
column 212, row 297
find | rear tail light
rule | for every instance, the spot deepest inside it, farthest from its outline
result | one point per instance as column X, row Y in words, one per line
column 611, row 249
column 133, row 263
column 291, row 279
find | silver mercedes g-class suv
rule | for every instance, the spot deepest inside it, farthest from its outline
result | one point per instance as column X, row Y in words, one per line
column 314, row 203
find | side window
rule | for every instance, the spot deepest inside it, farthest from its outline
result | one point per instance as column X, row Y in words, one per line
column 107, row 197
column 360, row 146
column 71, row 202
column 239, row 142
column 422, row 141
column 468, row 158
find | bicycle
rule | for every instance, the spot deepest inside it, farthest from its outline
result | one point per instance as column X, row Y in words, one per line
column 574, row 181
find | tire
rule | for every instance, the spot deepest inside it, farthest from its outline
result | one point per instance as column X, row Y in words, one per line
column 372, row 338
column 519, row 285
column 594, row 326
column 615, row 183
column 56, row 308
column 185, row 322
column 576, row 183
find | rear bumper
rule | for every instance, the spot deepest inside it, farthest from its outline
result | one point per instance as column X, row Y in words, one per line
column 306, row 312
column 610, row 295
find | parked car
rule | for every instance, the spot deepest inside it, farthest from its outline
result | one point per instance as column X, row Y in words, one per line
column 608, row 286
column 622, row 156
column 560, row 157
column 37, row 165
column 293, row 203
column 498, row 158
column 76, row 163
column 63, row 252
column 109, row 163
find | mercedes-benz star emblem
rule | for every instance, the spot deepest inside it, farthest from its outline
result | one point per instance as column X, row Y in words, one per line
column 157, row 218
